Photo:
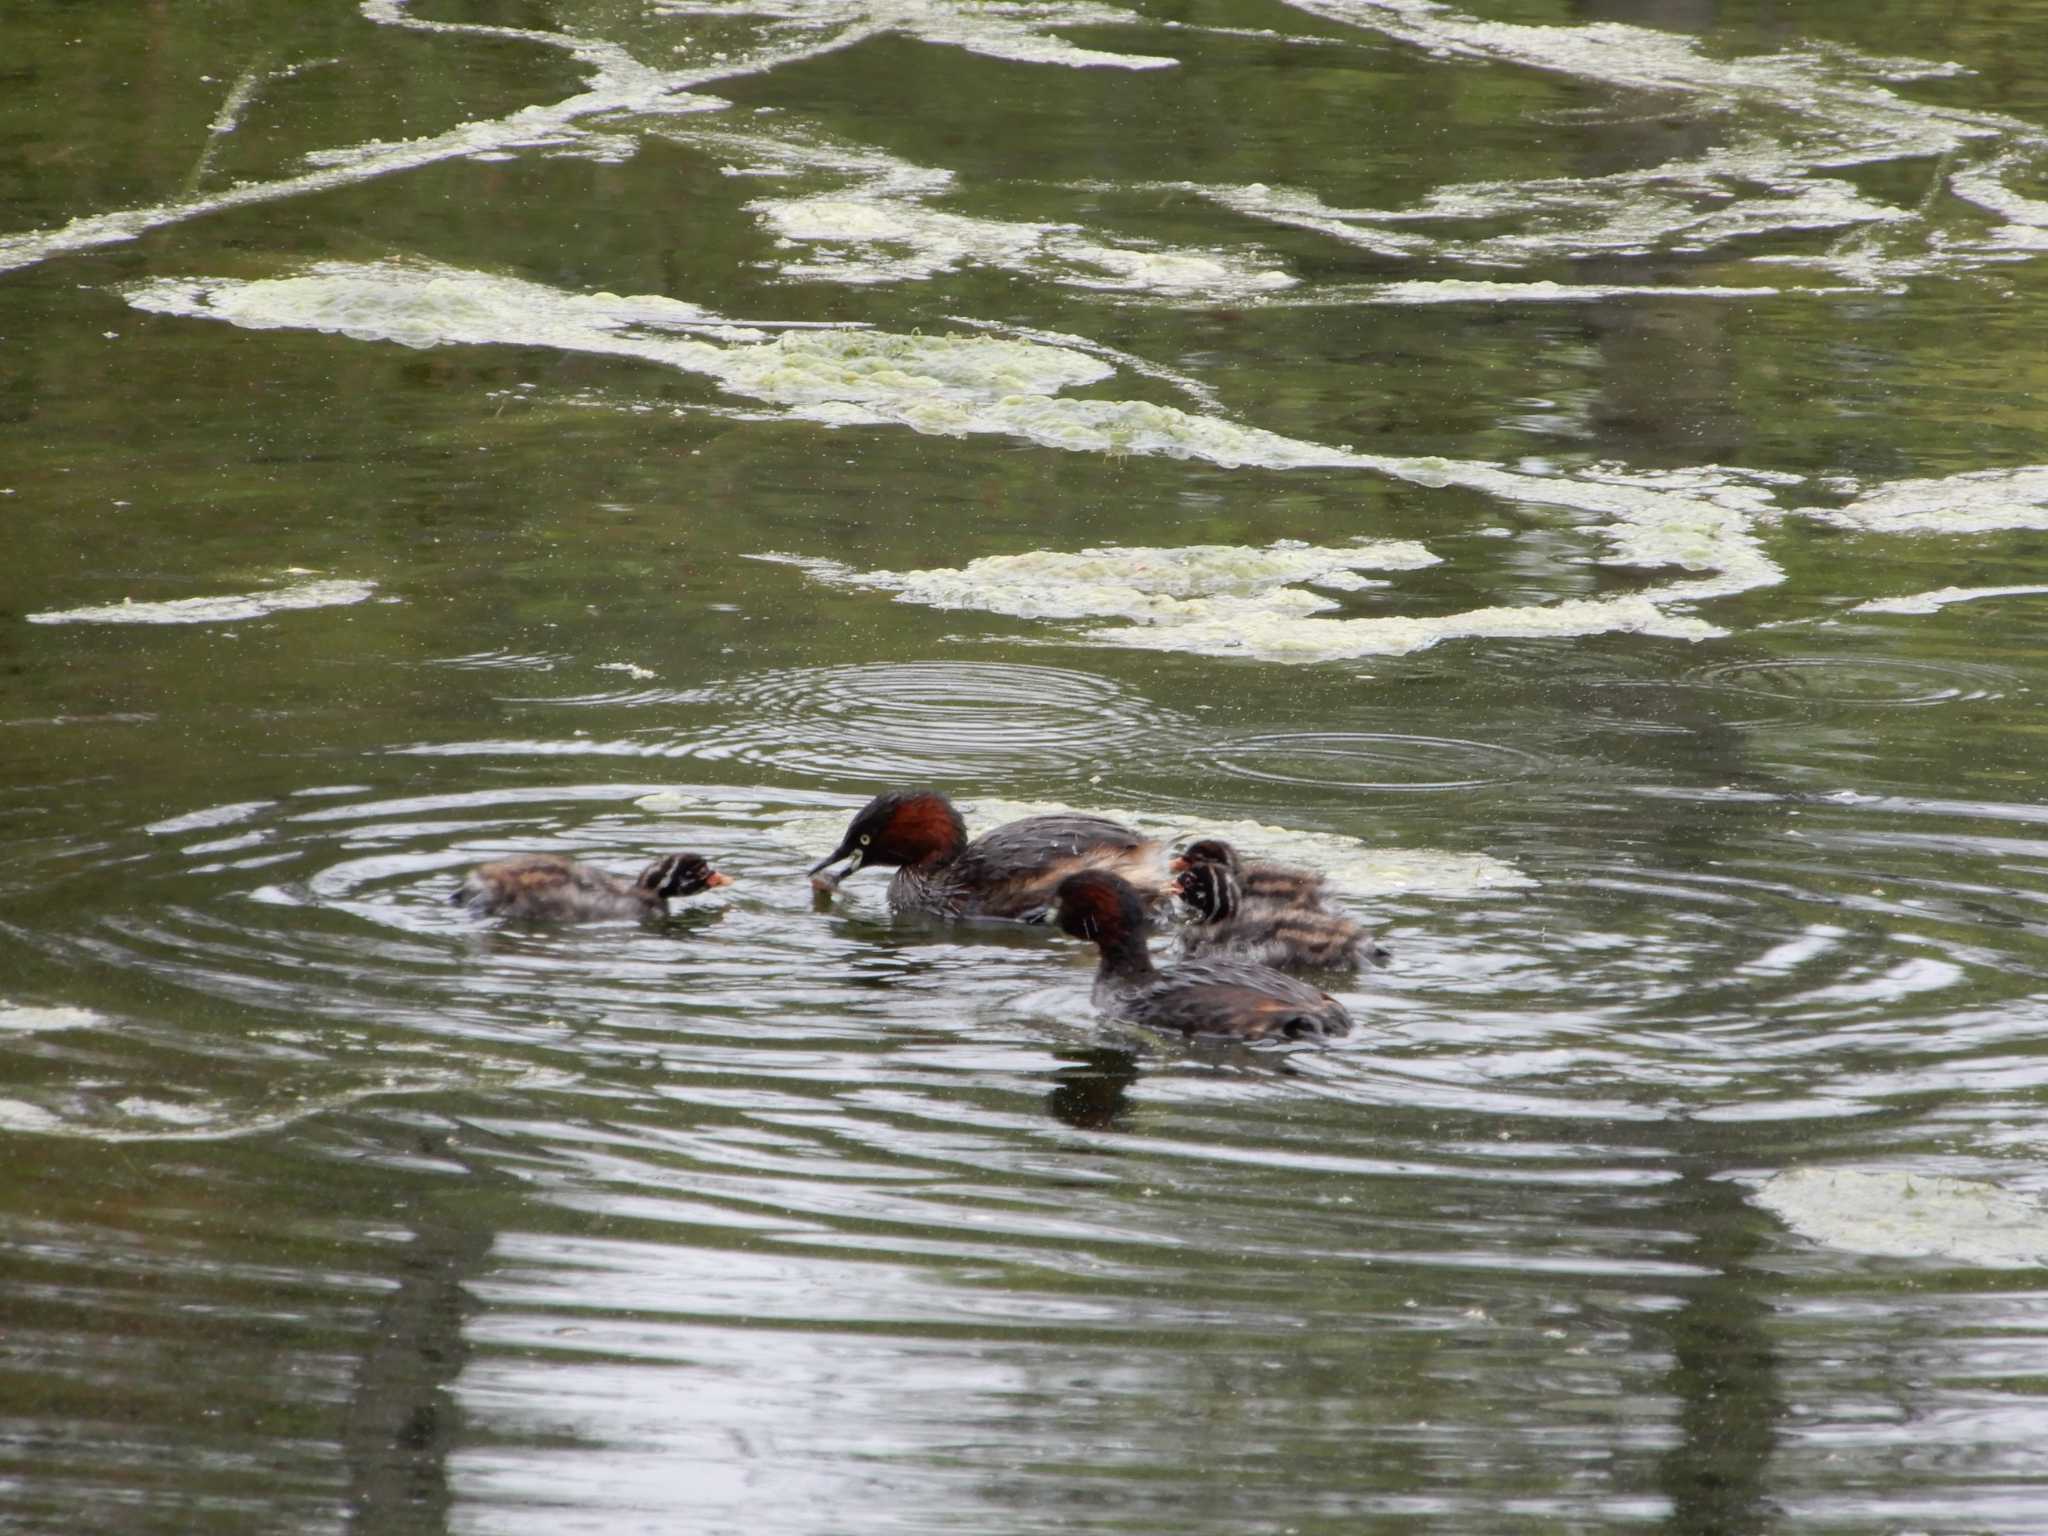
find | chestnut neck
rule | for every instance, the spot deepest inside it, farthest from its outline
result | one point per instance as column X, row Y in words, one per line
column 1124, row 955
column 929, row 829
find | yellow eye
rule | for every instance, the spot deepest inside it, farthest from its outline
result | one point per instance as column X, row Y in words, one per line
column 865, row 839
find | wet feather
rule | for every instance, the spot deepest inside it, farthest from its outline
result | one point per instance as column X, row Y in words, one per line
column 547, row 887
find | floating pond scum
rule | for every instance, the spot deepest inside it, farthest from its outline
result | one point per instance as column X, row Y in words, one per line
column 218, row 610
column 1707, row 520
column 1910, row 1215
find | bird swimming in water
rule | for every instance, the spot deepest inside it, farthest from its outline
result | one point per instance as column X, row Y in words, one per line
column 1256, row 878
column 550, row 888
column 1287, row 935
column 1234, row 998
column 1011, row 872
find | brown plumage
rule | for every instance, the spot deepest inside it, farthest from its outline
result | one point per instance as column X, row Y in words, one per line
column 547, row 887
column 1257, row 878
column 1289, row 936
column 1011, row 872
column 1212, row 997
column 1229, row 923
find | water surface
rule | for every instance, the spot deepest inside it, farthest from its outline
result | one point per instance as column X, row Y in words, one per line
column 1570, row 471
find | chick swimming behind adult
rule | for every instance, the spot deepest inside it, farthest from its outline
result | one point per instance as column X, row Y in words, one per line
column 1289, row 935
column 1257, row 878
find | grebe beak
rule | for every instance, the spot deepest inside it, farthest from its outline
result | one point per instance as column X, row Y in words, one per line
column 715, row 878
column 828, row 882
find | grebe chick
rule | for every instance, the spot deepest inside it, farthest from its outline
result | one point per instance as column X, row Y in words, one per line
column 549, row 888
column 1259, row 879
column 1210, row 997
column 1295, row 936
column 1011, row 872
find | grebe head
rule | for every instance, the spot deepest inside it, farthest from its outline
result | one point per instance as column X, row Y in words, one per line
column 680, row 874
column 904, row 826
column 1100, row 906
column 1210, row 888
column 1208, row 850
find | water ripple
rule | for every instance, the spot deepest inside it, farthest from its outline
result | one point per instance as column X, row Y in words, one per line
column 1779, row 981
column 979, row 723
column 1871, row 682
column 1342, row 763
column 765, row 1122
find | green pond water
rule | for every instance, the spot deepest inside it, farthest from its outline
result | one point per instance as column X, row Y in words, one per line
column 1578, row 474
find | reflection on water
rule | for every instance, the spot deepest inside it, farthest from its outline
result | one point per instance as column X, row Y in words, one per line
column 1572, row 480
column 761, row 1147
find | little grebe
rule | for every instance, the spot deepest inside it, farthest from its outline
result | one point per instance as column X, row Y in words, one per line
column 548, row 887
column 1011, row 872
column 1210, row 997
column 1289, row 936
column 1275, row 882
